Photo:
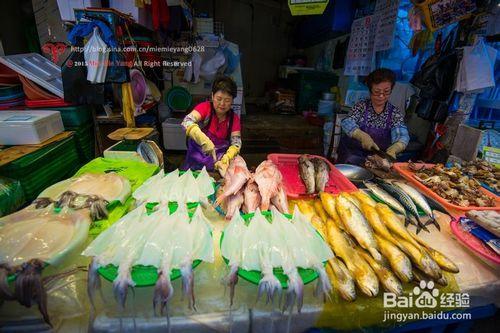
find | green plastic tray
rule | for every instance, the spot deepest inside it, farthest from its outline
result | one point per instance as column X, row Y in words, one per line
column 11, row 195
column 307, row 275
column 85, row 141
column 145, row 276
column 44, row 167
column 10, row 91
column 73, row 116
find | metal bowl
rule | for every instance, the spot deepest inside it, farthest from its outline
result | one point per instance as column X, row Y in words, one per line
column 355, row 173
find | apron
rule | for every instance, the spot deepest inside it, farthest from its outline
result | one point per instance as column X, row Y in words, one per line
column 351, row 151
column 196, row 158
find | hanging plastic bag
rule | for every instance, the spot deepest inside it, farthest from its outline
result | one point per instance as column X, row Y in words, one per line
column 192, row 72
column 96, row 54
column 232, row 60
column 477, row 67
column 210, row 67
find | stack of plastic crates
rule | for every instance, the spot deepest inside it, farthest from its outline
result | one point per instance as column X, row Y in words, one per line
column 40, row 169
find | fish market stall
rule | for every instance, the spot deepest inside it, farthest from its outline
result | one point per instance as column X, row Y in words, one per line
column 335, row 253
column 334, row 166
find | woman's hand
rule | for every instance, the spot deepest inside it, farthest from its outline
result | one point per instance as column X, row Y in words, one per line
column 395, row 149
column 207, row 146
column 365, row 139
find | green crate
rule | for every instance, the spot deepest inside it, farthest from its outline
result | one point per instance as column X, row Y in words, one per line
column 85, row 141
column 73, row 116
column 11, row 195
column 310, row 85
column 44, row 167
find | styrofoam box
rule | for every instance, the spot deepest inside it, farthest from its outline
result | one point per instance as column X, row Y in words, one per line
column 29, row 127
column 174, row 135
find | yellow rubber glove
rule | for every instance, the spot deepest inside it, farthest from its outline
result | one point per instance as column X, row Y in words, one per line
column 395, row 149
column 365, row 139
column 128, row 106
column 207, row 146
column 223, row 163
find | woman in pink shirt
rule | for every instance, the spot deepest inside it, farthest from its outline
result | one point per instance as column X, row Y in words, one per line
column 213, row 130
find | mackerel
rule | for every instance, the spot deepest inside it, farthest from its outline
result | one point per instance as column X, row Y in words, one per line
column 385, row 197
column 404, row 199
column 419, row 200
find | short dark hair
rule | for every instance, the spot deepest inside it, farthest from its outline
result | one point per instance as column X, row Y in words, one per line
column 380, row 75
column 225, row 84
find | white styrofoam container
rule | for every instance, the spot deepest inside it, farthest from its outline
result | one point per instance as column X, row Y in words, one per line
column 27, row 127
column 174, row 135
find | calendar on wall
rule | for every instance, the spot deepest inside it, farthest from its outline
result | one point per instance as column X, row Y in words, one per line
column 359, row 56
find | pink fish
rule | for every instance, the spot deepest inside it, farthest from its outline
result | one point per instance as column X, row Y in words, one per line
column 268, row 178
column 236, row 176
column 234, row 203
column 251, row 196
column 280, row 200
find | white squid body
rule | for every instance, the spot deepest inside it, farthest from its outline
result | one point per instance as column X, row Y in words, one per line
column 286, row 237
column 256, row 254
column 205, row 183
column 143, row 192
column 109, row 241
column 165, row 188
column 231, row 250
column 319, row 251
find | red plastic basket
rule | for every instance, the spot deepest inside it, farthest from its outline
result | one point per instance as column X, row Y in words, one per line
column 288, row 165
column 473, row 243
column 44, row 103
column 403, row 170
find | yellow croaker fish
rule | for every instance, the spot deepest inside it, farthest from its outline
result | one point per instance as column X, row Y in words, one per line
column 328, row 201
column 352, row 199
column 365, row 277
column 320, row 211
column 418, row 276
column 364, row 198
column 421, row 259
column 342, row 280
column 357, row 226
column 399, row 262
column 393, row 223
column 375, row 221
column 385, row 276
column 291, row 205
column 443, row 261
column 307, row 209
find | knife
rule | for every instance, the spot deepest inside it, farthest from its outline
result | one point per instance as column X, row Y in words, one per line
column 383, row 154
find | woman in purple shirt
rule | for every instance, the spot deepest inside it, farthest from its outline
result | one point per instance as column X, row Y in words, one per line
column 373, row 124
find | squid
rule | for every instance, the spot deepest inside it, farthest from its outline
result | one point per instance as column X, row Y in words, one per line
column 231, row 250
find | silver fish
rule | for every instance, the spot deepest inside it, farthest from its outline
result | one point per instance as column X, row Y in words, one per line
column 419, row 200
column 404, row 199
column 306, row 171
column 321, row 174
column 385, row 197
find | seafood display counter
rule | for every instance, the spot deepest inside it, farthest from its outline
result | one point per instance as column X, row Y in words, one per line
column 178, row 253
column 70, row 308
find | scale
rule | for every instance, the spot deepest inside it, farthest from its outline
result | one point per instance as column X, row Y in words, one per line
column 133, row 144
